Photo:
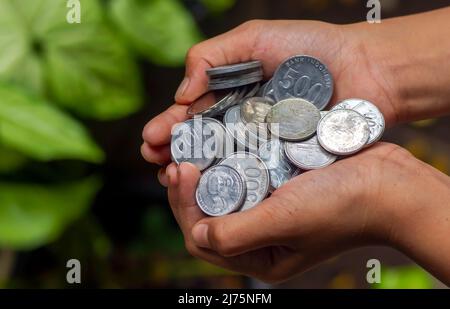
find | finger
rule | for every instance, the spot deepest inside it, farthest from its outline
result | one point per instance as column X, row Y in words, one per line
column 156, row 154
column 234, row 46
column 182, row 181
column 182, row 185
column 158, row 131
column 241, row 232
column 162, row 177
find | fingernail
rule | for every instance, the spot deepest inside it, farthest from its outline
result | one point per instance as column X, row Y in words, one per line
column 200, row 235
column 182, row 88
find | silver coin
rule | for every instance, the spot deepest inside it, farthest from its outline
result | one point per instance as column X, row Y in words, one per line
column 323, row 113
column 234, row 68
column 343, row 132
column 255, row 110
column 214, row 126
column 252, row 91
column 238, row 82
column 309, row 155
column 280, row 169
column 243, row 90
column 304, row 77
column 233, row 78
column 221, row 190
column 294, row 119
column 214, row 102
column 372, row 114
column 267, row 92
column 196, row 142
column 244, row 134
column 255, row 173
column 261, row 89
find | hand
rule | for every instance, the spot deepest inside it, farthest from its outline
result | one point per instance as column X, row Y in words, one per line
column 343, row 49
column 370, row 198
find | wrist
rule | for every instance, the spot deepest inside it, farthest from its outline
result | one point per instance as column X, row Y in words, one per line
column 413, row 203
column 410, row 55
column 423, row 230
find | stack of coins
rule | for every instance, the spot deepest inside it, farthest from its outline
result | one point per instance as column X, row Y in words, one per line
column 250, row 139
column 236, row 75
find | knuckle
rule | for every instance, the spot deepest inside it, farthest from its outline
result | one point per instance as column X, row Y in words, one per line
column 251, row 24
column 281, row 208
column 194, row 52
column 219, row 241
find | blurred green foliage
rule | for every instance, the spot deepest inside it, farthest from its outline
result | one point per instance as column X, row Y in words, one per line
column 155, row 222
column 161, row 30
column 405, row 277
column 53, row 74
column 10, row 160
column 218, row 6
column 31, row 215
column 41, row 131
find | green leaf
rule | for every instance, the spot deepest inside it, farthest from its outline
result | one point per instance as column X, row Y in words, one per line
column 90, row 72
column 218, row 6
column 24, row 27
column 84, row 67
column 39, row 130
column 10, row 160
column 162, row 30
column 33, row 215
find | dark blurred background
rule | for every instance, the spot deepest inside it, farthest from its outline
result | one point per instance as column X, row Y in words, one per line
column 127, row 237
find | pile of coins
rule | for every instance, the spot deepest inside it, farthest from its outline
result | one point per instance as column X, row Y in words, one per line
column 249, row 139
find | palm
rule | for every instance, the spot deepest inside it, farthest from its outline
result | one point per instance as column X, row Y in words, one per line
column 314, row 215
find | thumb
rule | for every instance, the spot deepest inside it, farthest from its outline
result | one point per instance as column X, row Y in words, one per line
column 262, row 226
column 228, row 48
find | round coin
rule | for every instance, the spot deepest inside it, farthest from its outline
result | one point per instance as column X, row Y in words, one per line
column 214, row 126
column 308, row 155
column 372, row 114
column 244, row 134
column 260, row 92
column 255, row 110
column 196, row 142
column 293, row 119
column 213, row 102
column 343, row 132
column 280, row 169
column 266, row 91
column 221, row 190
column 303, row 77
column 252, row 90
column 255, row 173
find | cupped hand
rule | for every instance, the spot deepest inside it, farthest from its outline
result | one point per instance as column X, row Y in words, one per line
column 344, row 49
column 316, row 215
column 382, row 195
